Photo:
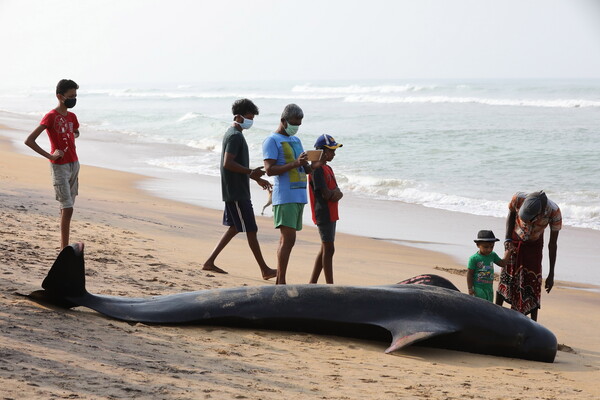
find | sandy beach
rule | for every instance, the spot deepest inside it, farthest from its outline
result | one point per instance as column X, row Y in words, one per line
column 139, row 245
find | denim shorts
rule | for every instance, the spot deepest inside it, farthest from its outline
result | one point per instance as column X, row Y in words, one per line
column 65, row 178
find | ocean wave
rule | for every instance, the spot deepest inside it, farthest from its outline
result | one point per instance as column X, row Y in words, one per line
column 190, row 116
column 13, row 95
column 105, row 126
column 37, row 114
column 372, row 186
column 379, row 94
column 355, row 89
column 581, row 216
column 557, row 103
column 408, row 191
column 150, row 94
column 204, row 144
column 204, row 164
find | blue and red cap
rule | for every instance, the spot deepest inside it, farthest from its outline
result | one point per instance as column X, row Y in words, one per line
column 327, row 141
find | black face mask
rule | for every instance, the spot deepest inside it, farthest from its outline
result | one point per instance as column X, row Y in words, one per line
column 70, row 103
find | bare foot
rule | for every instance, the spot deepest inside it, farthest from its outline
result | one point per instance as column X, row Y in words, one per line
column 270, row 273
column 213, row 268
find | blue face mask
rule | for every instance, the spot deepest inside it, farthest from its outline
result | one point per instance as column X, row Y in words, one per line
column 291, row 130
column 246, row 123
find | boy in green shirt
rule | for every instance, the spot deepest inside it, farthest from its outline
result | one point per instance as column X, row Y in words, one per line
column 480, row 274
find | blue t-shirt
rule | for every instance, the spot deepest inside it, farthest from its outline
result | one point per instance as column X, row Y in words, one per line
column 289, row 187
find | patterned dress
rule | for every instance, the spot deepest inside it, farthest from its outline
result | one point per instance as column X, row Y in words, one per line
column 521, row 280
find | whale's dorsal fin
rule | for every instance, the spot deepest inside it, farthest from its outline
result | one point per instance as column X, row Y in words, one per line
column 430, row 280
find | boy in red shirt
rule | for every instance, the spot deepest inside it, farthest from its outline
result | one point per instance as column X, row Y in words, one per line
column 62, row 127
column 324, row 196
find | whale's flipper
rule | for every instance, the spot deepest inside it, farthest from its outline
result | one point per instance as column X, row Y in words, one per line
column 413, row 333
column 431, row 280
column 67, row 275
column 406, row 337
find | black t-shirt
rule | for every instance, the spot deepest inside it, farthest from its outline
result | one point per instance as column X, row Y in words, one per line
column 235, row 186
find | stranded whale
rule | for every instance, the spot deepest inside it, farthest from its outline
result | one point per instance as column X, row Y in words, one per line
column 405, row 313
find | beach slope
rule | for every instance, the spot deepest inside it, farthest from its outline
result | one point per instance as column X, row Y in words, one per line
column 138, row 245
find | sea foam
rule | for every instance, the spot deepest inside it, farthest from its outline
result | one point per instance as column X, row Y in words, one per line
column 354, row 89
column 558, row 103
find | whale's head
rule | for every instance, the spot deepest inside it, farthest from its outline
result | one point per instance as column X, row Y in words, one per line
column 536, row 342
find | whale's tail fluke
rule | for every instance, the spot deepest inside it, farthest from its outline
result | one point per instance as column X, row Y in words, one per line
column 67, row 275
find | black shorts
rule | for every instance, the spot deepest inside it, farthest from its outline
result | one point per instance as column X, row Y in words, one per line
column 327, row 231
column 241, row 215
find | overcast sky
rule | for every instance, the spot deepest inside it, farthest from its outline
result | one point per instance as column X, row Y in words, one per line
column 145, row 41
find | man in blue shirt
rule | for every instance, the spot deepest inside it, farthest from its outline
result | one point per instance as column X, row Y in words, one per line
column 286, row 160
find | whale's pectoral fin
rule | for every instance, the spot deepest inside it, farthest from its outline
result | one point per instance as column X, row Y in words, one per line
column 402, row 339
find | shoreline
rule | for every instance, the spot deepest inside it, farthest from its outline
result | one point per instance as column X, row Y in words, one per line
column 96, row 179
column 447, row 232
column 139, row 245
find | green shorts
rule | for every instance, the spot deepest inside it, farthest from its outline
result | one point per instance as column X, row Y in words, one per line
column 289, row 214
column 484, row 291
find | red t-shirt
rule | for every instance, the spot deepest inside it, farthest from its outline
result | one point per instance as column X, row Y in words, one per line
column 323, row 211
column 61, row 132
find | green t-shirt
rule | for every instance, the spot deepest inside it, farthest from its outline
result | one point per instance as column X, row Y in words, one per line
column 235, row 186
column 483, row 277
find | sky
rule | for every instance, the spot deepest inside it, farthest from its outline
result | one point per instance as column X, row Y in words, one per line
column 151, row 41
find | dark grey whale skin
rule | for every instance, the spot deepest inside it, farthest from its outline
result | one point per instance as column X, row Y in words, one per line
column 405, row 313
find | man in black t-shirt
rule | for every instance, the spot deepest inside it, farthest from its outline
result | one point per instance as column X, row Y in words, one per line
column 235, row 186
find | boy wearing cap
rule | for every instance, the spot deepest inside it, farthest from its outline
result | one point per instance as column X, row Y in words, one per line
column 480, row 274
column 521, row 281
column 324, row 196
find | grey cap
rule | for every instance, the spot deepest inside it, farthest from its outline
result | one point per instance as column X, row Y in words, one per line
column 486, row 236
column 534, row 204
